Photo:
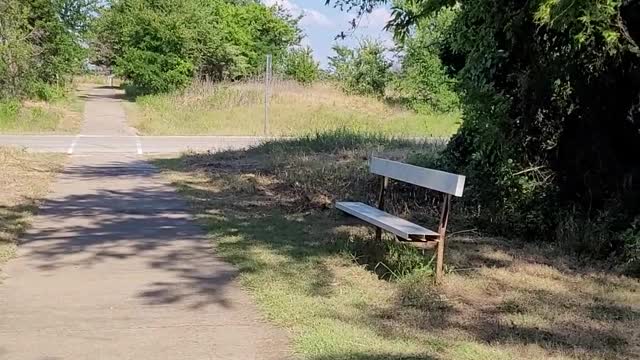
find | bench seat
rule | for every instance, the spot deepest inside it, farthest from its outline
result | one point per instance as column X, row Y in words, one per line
column 393, row 224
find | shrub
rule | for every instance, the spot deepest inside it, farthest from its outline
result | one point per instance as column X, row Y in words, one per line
column 424, row 81
column 300, row 66
column 46, row 92
column 154, row 73
column 9, row 108
column 631, row 241
column 363, row 70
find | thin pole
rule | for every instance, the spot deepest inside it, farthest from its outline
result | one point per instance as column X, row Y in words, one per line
column 267, row 81
column 384, row 182
column 442, row 230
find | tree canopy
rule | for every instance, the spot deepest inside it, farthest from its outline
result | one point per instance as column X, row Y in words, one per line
column 160, row 45
column 39, row 45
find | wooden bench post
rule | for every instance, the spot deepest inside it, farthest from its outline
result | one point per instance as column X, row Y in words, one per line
column 384, row 182
column 442, row 230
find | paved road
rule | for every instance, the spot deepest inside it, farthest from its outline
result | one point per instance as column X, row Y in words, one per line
column 127, row 144
column 115, row 268
column 108, row 132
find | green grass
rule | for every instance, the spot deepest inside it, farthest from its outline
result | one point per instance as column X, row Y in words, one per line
column 24, row 180
column 343, row 296
column 29, row 117
column 238, row 109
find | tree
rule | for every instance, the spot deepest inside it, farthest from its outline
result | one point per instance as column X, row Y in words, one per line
column 340, row 64
column 16, row 52
column 363, row 70
column 37, row 49
column 423, row 79
column 299, row 65
column 161, row 45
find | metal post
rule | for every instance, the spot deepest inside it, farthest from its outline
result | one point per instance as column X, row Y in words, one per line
column 267, row 82
column 384, row 182
column 442, row 230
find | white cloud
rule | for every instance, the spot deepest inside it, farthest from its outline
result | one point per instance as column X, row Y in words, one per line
column 285, row 4
column 377, row 19
column 314, row 17
column 310, row 17
column 306, row 42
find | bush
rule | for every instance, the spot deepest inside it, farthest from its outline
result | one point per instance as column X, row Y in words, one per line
column 154, row 73
column 363, row 70
column 300, row 66
column 46, row 92
column 631, row 241
column 9, row 108
column 424, row 81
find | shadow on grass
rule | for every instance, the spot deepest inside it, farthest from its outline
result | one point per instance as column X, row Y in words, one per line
column 256, row 229
column 14, row 220
column 111, row 97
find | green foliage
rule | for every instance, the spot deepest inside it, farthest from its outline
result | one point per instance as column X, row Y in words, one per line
column 154, row 73
column 47, row 92
column 9, row 108
column 388, row 258
column 300, row 66
column 16, row 52
column 38, row 48
column 59, row 54
column 545, row 102
column 363, row 70
column 551, row 124
column 340, row 65
column 423, row 79
column 631, row 241
column 161, row 45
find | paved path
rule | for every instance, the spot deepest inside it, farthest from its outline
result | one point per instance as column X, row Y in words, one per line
column 114, row 268
column 108, row 132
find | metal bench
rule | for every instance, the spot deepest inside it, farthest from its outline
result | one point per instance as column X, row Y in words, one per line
column 446, row 183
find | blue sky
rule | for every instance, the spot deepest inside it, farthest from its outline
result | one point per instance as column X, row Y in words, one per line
column 322, row 23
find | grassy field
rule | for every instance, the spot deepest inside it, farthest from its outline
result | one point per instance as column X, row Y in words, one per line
column 318, row 273
column 31, row 117
column 238, row 109
column 24, row 179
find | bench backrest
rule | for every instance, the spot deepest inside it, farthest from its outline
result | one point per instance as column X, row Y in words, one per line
column 428, row 178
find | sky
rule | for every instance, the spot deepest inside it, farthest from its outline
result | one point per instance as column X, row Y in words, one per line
column 322, row 23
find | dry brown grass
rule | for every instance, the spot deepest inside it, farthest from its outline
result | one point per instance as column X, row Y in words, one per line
column 24, row 179
column 38, row 117
column 238, row 109
column 269, row 211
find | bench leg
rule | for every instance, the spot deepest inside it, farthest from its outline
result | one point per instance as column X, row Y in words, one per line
column 442, row 230
column 384, row 181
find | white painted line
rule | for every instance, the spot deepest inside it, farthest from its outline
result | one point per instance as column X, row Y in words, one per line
column 139, row 145
column 107, row 136
column 73, row 145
